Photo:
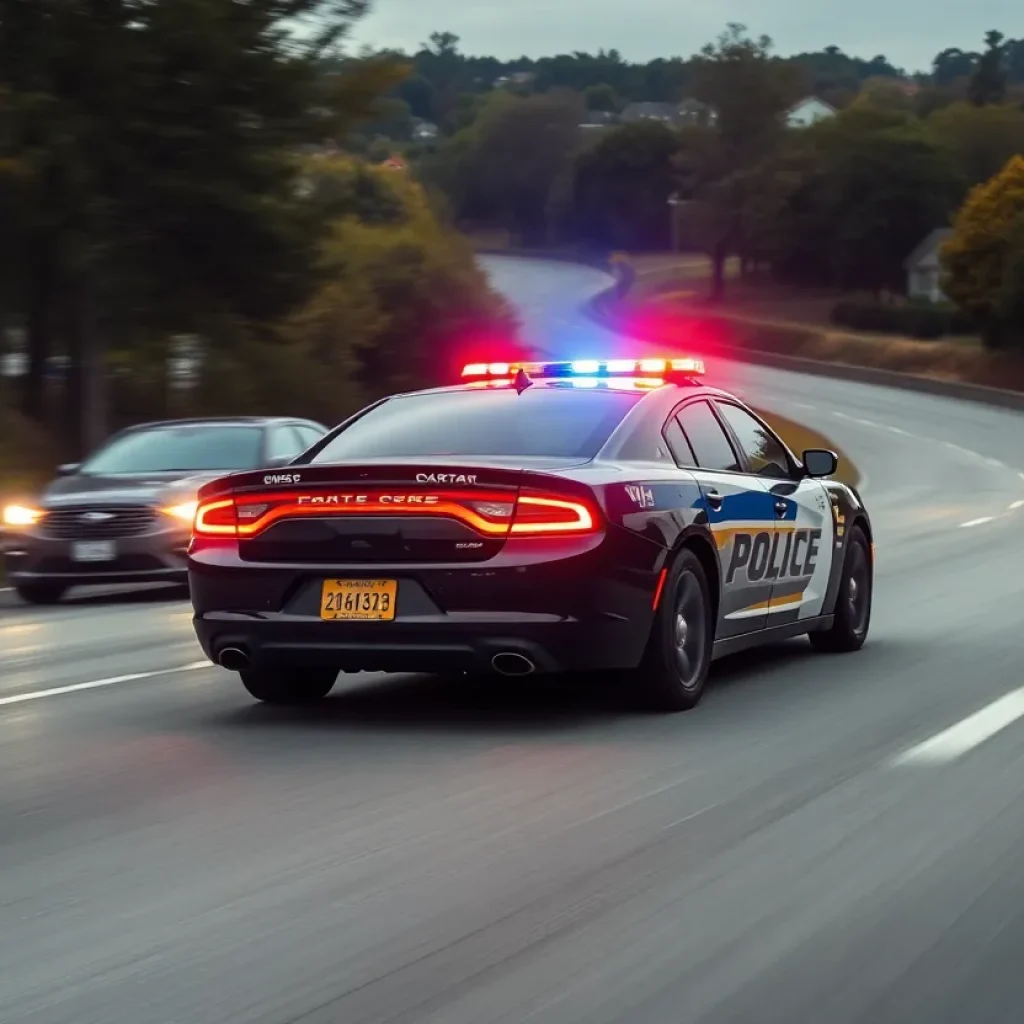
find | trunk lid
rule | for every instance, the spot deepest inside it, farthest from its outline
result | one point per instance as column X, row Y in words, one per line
column 390, row 511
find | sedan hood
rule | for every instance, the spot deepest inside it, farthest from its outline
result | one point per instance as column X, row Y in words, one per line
column 136, row 488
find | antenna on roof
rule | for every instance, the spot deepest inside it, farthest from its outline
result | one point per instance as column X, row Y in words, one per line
column 522, row 381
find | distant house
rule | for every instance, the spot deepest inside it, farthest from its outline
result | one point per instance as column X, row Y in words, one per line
column 423, row 131
column 924, row 271
column 598, row 119
column 517, row 80
column 693, row 112
column 663, row 112
column 808, row 111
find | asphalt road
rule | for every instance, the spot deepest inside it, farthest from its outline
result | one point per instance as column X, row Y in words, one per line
column 824, row 840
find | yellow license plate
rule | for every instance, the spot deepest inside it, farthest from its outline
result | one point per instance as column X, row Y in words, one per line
column 360, row 600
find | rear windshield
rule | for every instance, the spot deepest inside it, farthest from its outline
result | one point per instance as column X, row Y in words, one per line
column 540, row 422
column 172, row 449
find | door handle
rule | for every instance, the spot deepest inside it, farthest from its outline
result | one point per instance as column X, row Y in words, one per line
column 781, row 508
column 714, row 499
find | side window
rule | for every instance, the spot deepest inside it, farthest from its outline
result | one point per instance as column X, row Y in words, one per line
column 285, row 443
column 677, row 443
column 709, row 441
column 764, row 452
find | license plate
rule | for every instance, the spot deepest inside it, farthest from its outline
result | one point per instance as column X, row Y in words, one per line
column 94, row 551
column 360, row 600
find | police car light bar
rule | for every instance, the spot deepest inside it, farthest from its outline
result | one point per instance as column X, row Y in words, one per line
column 591, row 368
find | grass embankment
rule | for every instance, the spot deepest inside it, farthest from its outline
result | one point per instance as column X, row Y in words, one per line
column 669, row 299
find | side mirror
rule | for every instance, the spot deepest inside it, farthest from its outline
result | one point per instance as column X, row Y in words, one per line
column 279, row 460
column 68, row 469
column 820, row 462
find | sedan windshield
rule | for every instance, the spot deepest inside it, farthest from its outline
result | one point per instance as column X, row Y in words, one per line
column 192, row 448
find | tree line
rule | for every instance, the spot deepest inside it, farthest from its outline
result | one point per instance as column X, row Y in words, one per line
column 840, row 204
column 446, row 86
column 173, row 241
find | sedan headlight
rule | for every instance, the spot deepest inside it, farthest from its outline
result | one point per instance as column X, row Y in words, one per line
column 185, row 512
column 21, row 515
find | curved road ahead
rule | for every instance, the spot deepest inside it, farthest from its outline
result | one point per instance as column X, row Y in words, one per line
column 824, row 840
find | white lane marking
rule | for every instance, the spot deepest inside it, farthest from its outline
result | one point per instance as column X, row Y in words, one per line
column 803, row 405
column 94, row 684
column 898, row 430
column 1021, row 475
column 972, row 731
column 855, row 419
column 976, row 522
column 1016, row 505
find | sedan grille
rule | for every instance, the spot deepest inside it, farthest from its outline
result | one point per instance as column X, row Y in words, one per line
column 98, row 522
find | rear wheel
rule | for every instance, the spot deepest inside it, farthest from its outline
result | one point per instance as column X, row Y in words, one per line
column 289, row 685
column 853, row 604
column 40, row 593
column 678, row 657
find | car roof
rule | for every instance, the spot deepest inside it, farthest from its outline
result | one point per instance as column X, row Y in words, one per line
column 683, row 389
column 220, row 421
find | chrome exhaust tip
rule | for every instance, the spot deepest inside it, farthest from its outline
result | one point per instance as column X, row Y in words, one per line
column 509, row 663
column 233, row 659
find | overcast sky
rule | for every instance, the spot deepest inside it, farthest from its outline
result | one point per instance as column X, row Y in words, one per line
column 908, row 32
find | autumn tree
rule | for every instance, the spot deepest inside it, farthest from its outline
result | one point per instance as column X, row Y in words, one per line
column 983, row 250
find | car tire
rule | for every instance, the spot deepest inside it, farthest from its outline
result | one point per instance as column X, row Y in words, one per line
column 40, row 593
column 286, row 685
column 852, row 615
column 678, row 656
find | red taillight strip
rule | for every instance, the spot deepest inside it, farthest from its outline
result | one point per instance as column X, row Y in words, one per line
column 567, row 516
column 583, row 523
column 203, row 527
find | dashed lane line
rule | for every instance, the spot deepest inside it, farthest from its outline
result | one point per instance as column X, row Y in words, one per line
column 95, row 684
column 976, row 522
column 968, row 733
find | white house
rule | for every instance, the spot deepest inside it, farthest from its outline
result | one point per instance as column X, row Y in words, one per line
column 924, row 271
column 809, row 111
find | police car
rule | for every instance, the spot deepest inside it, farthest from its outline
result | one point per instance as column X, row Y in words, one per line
column 533, row 518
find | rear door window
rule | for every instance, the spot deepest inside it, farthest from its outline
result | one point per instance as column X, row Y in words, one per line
column 542, row 421
column 709, row 441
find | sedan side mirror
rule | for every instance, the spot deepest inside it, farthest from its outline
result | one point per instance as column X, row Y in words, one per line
column 279, row 460
column 819, row 462
column 68, row 469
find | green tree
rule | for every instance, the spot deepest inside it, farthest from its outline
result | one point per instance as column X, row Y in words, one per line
column 953, row 65
column 621, row 187
column 980, row 140
column 988, row 82
column 601, row 97
column 158, row 182
column 750, row 92
column 866, row 196
column 506, row 168
column 975, row 258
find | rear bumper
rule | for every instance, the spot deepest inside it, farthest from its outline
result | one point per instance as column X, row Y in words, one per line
column 573, row 611
column 444, row 644
column 159, row 556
